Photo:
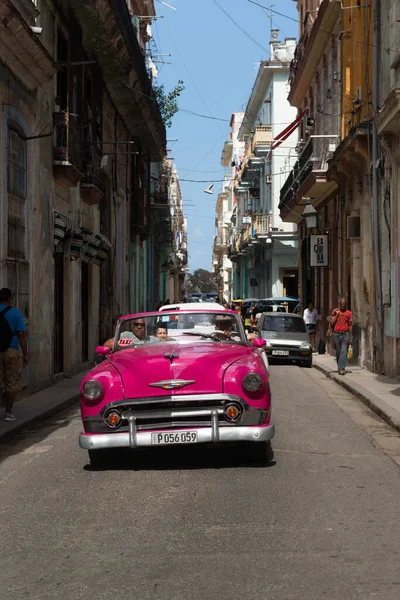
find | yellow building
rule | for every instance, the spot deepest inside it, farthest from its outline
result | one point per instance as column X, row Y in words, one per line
column 331, row 78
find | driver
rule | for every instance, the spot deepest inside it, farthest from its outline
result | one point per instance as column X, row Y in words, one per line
column 224, row 324
column 138, row 335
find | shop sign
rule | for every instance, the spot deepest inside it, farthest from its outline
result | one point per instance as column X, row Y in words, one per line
column 319, row 251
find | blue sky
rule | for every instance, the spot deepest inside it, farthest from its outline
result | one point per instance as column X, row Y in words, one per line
column 218, row 64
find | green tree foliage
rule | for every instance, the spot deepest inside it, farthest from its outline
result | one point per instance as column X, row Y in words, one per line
column 202, row 281
column 168, row 103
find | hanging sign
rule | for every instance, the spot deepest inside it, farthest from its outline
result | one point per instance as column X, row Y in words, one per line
column 319, row 251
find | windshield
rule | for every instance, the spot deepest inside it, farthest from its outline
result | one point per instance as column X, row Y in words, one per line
column 284, row 324
column 182, row 327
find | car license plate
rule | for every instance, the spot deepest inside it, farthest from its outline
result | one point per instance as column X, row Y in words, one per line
column 280, row 352
column 174, row 437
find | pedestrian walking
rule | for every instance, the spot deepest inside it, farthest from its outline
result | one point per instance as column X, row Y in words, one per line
column 310, row 317
column 342, row 326
column 12, row 335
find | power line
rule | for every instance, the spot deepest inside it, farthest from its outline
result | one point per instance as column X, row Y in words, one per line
column 190, row 112
column 246, row 33
column 333, row 35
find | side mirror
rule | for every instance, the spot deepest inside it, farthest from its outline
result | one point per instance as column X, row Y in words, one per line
column 259, row 343
column 103, row 350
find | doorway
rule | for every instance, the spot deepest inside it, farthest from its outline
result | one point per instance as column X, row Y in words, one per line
column 58, row 312
column 85, row 310
column 290, row 282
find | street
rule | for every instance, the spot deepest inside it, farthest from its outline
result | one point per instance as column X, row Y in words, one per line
column 322, row 521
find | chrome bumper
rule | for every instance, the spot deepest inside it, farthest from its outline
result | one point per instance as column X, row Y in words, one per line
column 141, row 439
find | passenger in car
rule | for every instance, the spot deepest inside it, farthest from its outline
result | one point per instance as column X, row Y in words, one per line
column 224, row 325
column 138, row 335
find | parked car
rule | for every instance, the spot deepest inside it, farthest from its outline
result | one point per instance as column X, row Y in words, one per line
column 286, row 337
column 204, row 383
column 193, row 306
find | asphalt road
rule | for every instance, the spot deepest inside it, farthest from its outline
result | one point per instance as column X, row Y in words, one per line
column 322, row 522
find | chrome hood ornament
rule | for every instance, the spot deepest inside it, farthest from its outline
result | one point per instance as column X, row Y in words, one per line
column 172, row 384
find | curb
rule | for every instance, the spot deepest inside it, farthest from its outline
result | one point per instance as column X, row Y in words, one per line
column 373, row 402
column 42, row 416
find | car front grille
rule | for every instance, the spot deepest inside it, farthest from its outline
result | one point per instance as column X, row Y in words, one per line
column 160, row 415
column 174, row 412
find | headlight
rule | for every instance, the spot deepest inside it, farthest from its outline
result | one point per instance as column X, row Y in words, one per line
column 92, row 389
column 305, row 346
column 252, row 382
column 267, row 344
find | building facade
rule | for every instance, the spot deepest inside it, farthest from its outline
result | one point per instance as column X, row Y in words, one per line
column 344, row 85
column 265, row 253
column 226, row 231
column 80, row 137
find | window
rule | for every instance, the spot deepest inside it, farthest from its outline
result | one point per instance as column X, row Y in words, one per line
column 284, row 324
column 16, row 195
column 17, row 265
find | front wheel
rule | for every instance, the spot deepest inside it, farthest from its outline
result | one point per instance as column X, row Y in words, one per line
column 260, row 452
column 307, row 363
column 99, row 458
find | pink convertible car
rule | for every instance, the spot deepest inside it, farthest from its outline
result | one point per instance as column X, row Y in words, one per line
column 178, row 377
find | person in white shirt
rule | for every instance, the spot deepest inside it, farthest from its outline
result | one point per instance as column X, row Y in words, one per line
column 310, row 317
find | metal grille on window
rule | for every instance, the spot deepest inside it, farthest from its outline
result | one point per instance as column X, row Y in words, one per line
column 17, row 264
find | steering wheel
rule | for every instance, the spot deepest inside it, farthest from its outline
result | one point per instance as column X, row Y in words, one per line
column 218, row 335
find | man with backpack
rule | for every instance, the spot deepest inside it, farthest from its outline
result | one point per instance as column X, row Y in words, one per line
column 12, row 333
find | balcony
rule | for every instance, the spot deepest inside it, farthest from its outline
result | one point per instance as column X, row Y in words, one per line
column 92, row 184
column 262, row 140
column 309, row 177
column 20, row 49
column 67, row 149
column 262, row 225
column 316, row 36
column 108, row 34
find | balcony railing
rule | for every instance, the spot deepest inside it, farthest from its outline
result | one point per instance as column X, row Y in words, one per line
column 301, row 46
column 262, row 137
column 314, row 159
column 247, row 233
column 262, row 224
column 67, row 149
column 92, row 166
column 300, row 171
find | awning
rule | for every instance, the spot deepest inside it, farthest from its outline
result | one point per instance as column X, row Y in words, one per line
column 96, row 247
column 63, row 226
column 277, row 141
column 76, row 242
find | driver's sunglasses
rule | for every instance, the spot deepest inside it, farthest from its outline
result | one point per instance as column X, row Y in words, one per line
column 138, row 324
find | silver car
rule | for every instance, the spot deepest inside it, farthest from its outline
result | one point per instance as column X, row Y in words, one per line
column 286, row 337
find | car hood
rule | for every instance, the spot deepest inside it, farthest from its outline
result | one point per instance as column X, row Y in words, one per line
column 285, row 338
column 201, row 366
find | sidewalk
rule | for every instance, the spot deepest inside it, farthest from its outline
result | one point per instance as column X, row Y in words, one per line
column 381, row 394
column 40, row 406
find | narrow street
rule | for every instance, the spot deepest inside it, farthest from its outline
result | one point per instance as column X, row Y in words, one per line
column 321, row 522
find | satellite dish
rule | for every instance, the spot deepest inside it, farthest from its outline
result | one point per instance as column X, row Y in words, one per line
column 209, row 189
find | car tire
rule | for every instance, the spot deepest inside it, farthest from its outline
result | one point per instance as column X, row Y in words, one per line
column 307, row 363
column 260, row 452
column 99, row 458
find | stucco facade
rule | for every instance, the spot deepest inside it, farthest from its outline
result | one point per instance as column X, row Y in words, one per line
column 81, row 230
column 265, row 251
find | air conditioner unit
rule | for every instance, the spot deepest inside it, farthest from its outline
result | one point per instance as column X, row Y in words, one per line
column 353, row 227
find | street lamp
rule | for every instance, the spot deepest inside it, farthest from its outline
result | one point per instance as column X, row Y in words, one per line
column 310, row 215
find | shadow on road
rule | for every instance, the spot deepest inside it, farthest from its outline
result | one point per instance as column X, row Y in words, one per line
column 36, row 434
column 172, row 458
